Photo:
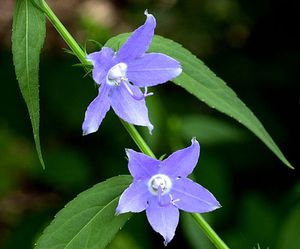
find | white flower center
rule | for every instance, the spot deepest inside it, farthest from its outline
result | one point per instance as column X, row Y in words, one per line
column 159, row 181
column 116, row 74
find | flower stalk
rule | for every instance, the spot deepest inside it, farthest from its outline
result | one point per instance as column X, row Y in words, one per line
column 64, row 33
column 80, row 54
column 209, row 232
column 137, row 138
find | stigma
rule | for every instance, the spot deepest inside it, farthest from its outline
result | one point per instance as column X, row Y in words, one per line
column 117, row 74
column 159, row 183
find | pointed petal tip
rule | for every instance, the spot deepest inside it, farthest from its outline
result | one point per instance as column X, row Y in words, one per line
column 214, row 206
column 118, row 211
column 167, row 240
column 92, row 57
column 88, row 130
column 178, row 71
column 128, row 152
column 194, row 140
column 147, row 13
column 150, row 128
column 88, row 57
column 150, row 16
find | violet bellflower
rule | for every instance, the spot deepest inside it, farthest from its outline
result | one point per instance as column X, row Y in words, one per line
column 120, row 76
column 162, row 187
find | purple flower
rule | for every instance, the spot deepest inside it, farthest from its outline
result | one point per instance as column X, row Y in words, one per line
column 120, row 76
column 162, row 187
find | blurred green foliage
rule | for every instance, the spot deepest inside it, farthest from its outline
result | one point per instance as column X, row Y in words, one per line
column 246, row 44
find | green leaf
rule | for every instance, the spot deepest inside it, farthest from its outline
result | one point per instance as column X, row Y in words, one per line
column 200, row 81
column 27, row 40
column 89, row 220
column 209, row 130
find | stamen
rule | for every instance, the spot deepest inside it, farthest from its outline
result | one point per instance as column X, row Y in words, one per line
column 126, row 84
column 173, row 201
column 146, row 94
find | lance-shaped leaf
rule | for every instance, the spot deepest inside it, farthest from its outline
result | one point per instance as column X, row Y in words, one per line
column 200, row 81
column 88, row 221
column 27, row 40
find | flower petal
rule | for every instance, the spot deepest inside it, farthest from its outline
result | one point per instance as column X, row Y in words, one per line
column 139, row 41
column 182, row 162
column 163, row 219
column 134, row 198
column 126, row 107
column 102, row 62
column 152, row 69
column 96, row 111
column 192, row 197
column 140, row 165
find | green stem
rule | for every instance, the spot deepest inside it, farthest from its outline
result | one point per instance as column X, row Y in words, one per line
column 64, row 33
column 210, row 233
column 137, row 138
